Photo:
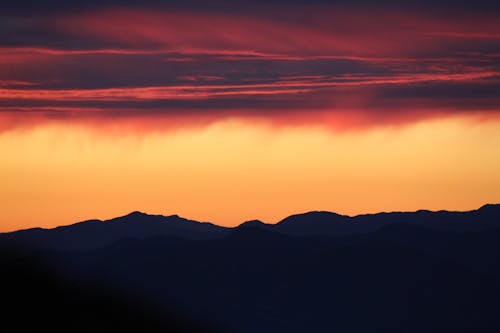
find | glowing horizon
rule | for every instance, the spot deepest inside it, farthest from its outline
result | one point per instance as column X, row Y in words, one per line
column 237, row 171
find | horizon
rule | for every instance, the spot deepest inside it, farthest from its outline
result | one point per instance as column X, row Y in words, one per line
column 249, row 220
column 288, row 176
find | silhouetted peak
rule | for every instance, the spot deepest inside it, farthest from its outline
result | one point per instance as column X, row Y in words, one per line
column 140, row 216
column 491, row 210
column 490, row 207
column 315, row 216
column 423, row 211
column 176, row 217
column 131, row 217
column 253, row 224
column 136, row 214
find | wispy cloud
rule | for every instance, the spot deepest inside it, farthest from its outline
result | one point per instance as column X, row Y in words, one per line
column 241, row 63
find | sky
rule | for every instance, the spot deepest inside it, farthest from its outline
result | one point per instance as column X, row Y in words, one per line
column 235, row 110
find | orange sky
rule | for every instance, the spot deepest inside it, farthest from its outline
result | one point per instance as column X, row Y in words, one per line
column 235, row 170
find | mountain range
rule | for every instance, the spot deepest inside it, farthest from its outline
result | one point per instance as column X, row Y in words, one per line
column 93, row 234
column 314, row 272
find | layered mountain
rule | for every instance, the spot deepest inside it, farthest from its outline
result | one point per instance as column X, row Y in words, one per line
column 93, row 234
column 313, row 272
column 317, row 223
column 96, row 233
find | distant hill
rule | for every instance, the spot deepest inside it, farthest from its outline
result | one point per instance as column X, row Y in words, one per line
column 318, row 223
column 256, row 280
column 96, row 233
column 314, row 272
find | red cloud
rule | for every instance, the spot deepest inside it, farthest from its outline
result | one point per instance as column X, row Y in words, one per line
column 313, row 31
column 314, row 65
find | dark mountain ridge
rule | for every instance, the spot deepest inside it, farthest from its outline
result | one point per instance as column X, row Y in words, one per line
column 96, row 233
column 314, row 272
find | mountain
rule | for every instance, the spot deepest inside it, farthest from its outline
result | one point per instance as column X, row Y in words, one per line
column 254, row 279
column 321, row 223
column 96, row 233
column 313, row 272
column 316, row 223
column 254, row 224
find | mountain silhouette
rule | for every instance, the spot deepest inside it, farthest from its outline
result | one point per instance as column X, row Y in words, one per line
column 314, row 272
column 96, row 233
column 314, row 223
column 254, row 279
column 254, row 224
column 317, row 223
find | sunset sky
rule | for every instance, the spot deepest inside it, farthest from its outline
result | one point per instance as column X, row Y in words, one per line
column 239, row 110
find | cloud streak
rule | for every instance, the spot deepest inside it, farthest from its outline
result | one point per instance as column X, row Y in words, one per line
column 308, row 60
